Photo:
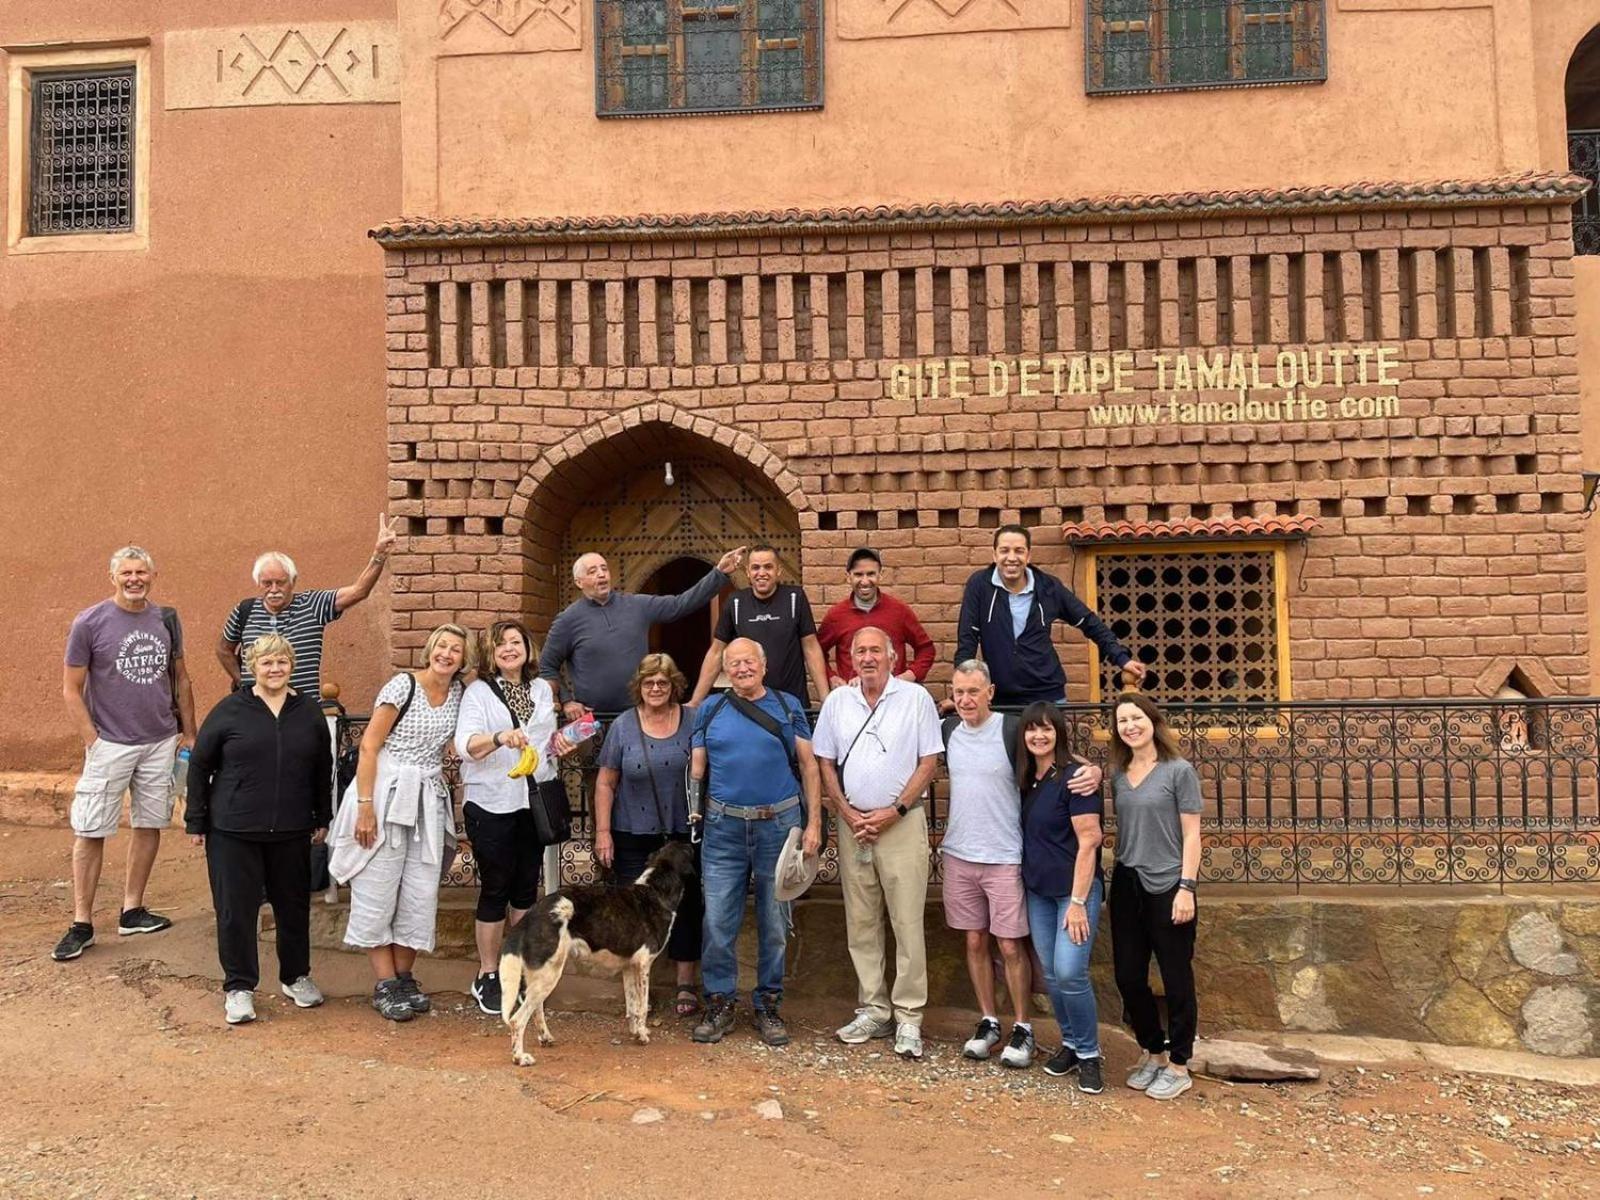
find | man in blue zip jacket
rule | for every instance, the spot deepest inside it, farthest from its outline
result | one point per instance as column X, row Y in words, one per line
column 1008, row 610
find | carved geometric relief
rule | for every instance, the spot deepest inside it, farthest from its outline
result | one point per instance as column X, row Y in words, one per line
column 509, row 26
column 862, row 19
column 350, row 62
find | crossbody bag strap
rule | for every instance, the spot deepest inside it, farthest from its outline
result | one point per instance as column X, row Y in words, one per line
column 649, row 770
column 411, row 694
column 768, row 722
column 870, row 715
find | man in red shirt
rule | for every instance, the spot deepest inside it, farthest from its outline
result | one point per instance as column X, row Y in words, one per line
column 867, row 604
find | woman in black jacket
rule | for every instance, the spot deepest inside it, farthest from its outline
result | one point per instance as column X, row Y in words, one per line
column 260, row 794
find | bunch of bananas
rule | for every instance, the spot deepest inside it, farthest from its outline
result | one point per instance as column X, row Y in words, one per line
column 526, row 765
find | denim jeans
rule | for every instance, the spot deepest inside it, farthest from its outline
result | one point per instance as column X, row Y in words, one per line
column 1066, row 968
column 732, row 851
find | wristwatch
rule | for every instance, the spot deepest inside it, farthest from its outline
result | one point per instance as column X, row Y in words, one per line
column 1186, row 885
column 901, row 809
column 1078, row 902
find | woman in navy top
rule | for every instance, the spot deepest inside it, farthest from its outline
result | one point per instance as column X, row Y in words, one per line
column 1061, row 835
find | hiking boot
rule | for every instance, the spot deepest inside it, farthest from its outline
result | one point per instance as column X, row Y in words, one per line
column 390, row 999
column 863, row 1028
column 415, row 996
column 908, row 1040
column 1169, row 1084
column 78, row 938
column 1144, row 1072
column 769, row 1025
column 1089, row 1078
column 141, row 920
column 303, row 992
column 1063, row 1062
column 1019, row 1048
column 239, row 1008
column 486, row 991
column 983, row 1040
column 716, row 1022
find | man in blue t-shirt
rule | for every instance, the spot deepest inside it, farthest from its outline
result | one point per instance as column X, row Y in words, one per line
column 753, row 764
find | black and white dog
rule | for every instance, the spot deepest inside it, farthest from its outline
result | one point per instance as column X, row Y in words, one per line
column 618, row 929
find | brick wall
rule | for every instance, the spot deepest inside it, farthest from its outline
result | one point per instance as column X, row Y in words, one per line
column 524, row 376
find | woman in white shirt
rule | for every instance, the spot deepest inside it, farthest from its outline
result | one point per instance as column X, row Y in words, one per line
column 507, row 708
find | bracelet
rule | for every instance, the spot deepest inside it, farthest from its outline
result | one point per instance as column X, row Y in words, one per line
column 1186, row 885
column 363, row 799
column 1078, row 902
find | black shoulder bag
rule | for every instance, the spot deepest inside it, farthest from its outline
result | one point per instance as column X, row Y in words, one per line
column 552, row 814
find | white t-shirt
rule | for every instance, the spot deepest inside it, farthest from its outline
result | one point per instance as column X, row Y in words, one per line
column 985, row 824
column 903, row 728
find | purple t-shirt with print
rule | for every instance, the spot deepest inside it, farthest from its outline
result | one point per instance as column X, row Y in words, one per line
column 128, row 655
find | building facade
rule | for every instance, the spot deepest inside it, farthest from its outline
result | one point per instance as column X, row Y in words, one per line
column 1264, row 315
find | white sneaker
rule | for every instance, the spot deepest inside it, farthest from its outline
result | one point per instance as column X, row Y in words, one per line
column 983, row 1040
column 863, row 1028
column 239, row 1008
column 303, row 992
column 1019, row 1049
column 1169, row 1084
column 1144, row 1072
column 908, row 1040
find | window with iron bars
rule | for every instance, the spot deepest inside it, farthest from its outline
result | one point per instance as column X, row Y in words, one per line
column 1205, row 622
column 81, row 150
column 701, row 56
column 1156, row 45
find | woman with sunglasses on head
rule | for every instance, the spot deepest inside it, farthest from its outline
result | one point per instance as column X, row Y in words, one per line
column 1061, row 836
column 505, row 710
column 641, row 800
column 1157, row 797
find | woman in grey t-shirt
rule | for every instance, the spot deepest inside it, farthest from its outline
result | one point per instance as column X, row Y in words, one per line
column 1157, row 797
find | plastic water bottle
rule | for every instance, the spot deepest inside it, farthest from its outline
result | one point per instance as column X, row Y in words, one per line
column 581, row 730
column 180, row 774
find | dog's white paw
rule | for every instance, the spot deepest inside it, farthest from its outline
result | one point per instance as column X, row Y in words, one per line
column 642, row 1036
column 523, row 1060
column 546, row 1040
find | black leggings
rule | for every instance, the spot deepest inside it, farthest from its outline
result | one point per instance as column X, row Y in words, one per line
column 633, row 850
column 508, row 855
column 241, row 869
column 1141, row 925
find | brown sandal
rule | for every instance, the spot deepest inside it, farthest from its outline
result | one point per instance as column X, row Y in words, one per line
column 687, row 1001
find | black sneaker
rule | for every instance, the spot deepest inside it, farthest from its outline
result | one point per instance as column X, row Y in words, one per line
column 1089, row 1080
column 718, row 1019
column 78, row 938
column 141, row 920
column 486, row 991
column 412, row 990
column 769, row 1025
column 390, row 999
column 1063, row 1062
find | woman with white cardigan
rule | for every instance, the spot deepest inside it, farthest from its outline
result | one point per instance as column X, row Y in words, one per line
column 506, row 709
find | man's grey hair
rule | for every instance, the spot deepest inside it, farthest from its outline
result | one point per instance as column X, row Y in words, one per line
column 577, row 563
column 760, row 649
column 888, row 641
column 274, row 556
column 974, row 666
column 127, row 552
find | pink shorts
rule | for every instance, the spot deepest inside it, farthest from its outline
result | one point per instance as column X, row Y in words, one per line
column 985, row 896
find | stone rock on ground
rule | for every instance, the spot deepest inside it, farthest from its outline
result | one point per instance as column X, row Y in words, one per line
column 648, row 1116
column 1251, row 1063
column 769, row 1110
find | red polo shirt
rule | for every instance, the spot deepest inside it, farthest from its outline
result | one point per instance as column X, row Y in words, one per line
column 912, row 646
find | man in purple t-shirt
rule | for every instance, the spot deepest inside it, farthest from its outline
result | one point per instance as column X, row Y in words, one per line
column 128, row 693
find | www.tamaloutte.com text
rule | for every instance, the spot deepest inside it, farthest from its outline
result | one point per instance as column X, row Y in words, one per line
column 1252, row 411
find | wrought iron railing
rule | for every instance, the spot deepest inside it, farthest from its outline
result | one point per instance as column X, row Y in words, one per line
column 1583, row 156
column 1458, row 792
column 81, row 170
column 1156, row 45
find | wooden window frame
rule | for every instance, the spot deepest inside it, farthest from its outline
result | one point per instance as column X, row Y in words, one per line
column 1308, row 19
column 24, row 63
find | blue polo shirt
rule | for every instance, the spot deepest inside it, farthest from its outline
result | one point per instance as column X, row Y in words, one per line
column 1049, row 843
column 748, row 767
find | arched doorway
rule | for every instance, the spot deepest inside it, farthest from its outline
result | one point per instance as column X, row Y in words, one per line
column 689, row 637
column 1583, row 139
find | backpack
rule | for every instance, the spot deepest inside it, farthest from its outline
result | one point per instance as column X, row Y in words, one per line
column 169, row 618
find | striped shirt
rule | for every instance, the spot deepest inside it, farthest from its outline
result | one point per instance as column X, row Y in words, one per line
column 301, row 622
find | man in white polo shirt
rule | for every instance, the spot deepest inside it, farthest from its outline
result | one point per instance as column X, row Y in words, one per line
column 878, row 745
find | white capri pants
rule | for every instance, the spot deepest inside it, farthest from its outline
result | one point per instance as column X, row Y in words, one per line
column 394, row 899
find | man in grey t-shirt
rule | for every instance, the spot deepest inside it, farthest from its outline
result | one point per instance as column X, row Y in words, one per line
column 127, row 692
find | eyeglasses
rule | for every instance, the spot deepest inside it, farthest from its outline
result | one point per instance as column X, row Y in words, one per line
column 653, row 684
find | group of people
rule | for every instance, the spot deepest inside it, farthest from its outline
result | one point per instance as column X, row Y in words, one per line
column 741, row 772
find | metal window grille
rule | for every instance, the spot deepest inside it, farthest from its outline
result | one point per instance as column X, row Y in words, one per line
column 80, row 175
column 1205, row 624
column 1155, row 45
column 701, row 56
column 1583, row 153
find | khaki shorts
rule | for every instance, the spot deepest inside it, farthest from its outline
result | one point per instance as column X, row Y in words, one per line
column 109, row 769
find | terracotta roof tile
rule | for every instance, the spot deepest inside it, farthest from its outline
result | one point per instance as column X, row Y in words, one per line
column 1189, row 529
column 469, row 230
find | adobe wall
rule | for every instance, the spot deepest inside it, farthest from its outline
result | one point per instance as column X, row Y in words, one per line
column 213, row 396
column 1448, row 535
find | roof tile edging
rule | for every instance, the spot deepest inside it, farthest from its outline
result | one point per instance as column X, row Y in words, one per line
column 1189, row 529
column 1529, row 188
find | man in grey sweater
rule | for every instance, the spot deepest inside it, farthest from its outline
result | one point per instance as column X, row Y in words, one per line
column 601, row 636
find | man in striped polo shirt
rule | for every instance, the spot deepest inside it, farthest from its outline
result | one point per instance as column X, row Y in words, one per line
column 300, row 617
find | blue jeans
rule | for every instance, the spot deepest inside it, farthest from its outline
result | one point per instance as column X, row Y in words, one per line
column 1066, row 968
column 732, row 851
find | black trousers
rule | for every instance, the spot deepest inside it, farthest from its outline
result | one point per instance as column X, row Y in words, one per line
column 1141, row 925
column 240, row 870
column 509, row 856
column 633, row 850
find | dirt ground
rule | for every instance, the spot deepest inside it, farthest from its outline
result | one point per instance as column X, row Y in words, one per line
column 120, row 1080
